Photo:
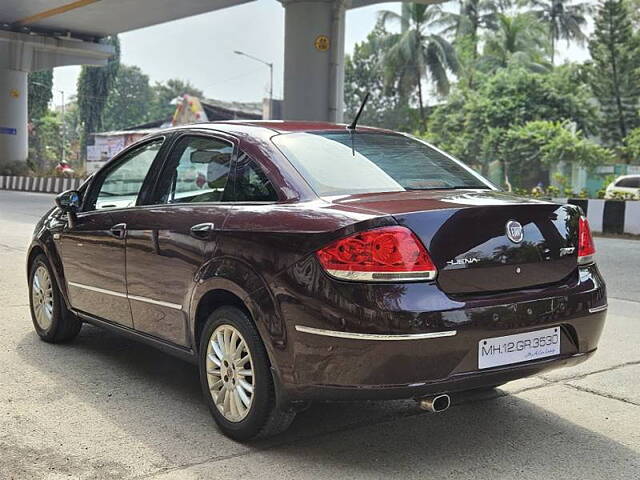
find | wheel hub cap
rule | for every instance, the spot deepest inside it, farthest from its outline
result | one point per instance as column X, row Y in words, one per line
column 42, row 297
column 230, row 373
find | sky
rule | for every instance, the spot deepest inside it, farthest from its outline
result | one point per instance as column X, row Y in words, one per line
column 200, row 49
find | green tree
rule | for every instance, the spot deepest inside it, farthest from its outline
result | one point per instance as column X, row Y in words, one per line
column 473, row 15
column 46, row 147
column 94, row 85
column 564, row 19
column 632, row 148
column 634, row 6
column 528, row 151
column 614, row 75
column 416, row 54
column 73, row 134
column 473, row 121
column 40, row 93
column 466, row 25
column 363, row 74
column 165, row 93
column 129, row 99
column 518, row 40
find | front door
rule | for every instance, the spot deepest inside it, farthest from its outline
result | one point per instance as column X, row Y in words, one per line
column 168, row 240
column 93, row 248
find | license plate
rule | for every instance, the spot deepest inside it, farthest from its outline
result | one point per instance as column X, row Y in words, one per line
column 522, row 347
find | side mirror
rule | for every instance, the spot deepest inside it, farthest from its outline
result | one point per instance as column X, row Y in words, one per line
column 69, row 201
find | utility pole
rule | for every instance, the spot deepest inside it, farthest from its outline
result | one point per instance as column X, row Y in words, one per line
column 268, row 64
column 64, row 130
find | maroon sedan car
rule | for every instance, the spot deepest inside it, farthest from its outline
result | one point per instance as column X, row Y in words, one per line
column 295, row 262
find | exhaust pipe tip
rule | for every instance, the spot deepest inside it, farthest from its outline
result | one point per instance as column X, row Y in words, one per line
column 435, row 404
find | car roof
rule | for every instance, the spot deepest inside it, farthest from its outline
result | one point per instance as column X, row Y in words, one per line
column 275, row 126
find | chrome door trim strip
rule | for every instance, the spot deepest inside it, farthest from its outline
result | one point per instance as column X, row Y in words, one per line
column 374, row 336
column 99, row 290
column 599, row 308
column 175, row 306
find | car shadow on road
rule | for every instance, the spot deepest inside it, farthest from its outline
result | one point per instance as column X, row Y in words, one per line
column 155, row 401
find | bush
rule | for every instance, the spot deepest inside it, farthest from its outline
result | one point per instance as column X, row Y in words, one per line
column 15, row 168
column 529, row 151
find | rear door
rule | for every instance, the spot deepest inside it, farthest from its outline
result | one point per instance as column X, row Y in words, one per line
column 169, row 237
column 93, row 248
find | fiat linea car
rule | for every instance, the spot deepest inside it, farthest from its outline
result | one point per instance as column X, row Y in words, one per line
column 295, row 262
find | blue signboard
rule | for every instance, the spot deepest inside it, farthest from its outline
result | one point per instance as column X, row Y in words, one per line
column 8, row 131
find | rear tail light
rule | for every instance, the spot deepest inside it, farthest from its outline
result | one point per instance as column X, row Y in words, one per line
column 379, row 255
column 586, row 248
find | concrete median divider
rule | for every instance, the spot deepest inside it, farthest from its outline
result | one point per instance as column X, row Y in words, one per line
column 39, row 184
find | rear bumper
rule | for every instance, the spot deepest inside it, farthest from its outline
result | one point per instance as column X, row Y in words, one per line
column 442, row 356
column 455, row 383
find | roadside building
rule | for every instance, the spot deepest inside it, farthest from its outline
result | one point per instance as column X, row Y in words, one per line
column 104, row 145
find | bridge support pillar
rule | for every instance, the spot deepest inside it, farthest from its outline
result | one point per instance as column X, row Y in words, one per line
column 314, row 60
column 13, row 116
column 21, row 53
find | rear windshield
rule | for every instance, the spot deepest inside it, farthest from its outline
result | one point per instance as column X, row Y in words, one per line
column 341, row 163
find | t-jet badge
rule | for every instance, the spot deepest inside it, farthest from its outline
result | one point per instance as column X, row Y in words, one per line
column 515, row 232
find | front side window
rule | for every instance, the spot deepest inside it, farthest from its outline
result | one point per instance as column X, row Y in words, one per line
column 121, row 185
column 342, row 163
column 197, row 171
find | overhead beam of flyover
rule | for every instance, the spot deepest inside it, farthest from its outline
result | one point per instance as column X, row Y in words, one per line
column 42, row 34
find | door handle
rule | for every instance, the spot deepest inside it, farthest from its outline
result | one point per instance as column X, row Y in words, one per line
column 119, row 231
column 202, row 230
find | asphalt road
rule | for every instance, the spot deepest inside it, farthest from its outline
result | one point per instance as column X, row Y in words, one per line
column 106, row 407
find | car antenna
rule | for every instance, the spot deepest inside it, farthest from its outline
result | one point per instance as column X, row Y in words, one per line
column 352, row 126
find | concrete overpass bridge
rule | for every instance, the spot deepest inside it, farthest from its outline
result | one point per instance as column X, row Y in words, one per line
column 42, row 34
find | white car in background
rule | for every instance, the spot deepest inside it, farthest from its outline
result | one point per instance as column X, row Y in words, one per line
column 624, row 186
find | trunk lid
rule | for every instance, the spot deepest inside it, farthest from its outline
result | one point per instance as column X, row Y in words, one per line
column 467, row 236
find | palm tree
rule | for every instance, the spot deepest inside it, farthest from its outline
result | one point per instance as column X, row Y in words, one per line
column 564, row 18
column 473, row 16
column 415, row 53
column 519, row 39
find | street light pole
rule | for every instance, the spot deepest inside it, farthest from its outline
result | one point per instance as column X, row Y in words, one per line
column 64, row 130
column 268, row 64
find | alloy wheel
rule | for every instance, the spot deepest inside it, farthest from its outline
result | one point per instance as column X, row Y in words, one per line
column 230, row 374
column 42, row 297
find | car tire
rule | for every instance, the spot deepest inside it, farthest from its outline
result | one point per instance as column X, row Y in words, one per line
column 52, row 320
column 236, row 378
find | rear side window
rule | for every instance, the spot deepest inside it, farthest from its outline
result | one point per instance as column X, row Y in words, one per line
column 338, row 163
column 197, row 171
column 250, row 182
